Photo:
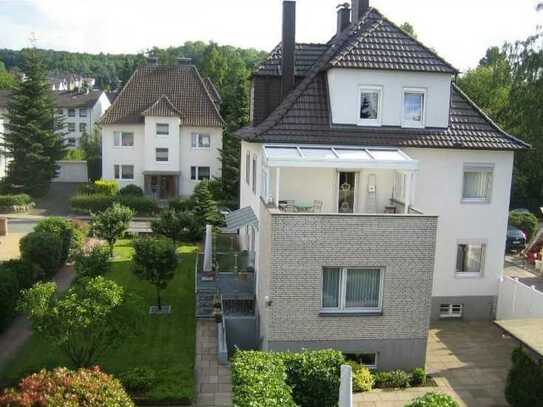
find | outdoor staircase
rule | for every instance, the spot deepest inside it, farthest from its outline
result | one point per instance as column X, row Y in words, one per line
column 204, row 303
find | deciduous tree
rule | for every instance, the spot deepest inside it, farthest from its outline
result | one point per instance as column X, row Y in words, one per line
column 111, row 224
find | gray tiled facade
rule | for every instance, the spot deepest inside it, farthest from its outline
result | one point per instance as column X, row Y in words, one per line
column 302, row 244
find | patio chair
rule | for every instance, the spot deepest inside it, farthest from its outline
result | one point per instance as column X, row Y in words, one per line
column 290, row 206
column 317, row 206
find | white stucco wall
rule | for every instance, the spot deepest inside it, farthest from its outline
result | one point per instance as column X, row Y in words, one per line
column 345, row 86
column 439, row 192
column 3, row 158
column 180, row 152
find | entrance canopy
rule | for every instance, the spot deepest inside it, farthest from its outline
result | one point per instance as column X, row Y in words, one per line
column 305, row 156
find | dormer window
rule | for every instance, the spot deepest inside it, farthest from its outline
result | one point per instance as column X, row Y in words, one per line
column 162, row 129
column 414, row 106
column 370, row 106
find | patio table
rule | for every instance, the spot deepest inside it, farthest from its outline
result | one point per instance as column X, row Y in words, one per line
column 303, row 206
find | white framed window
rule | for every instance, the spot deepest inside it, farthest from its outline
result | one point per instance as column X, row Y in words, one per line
column 200, row 173
column 71, row 127
column 82, row 127
column 356, row 290
column 161, row 154
column 71, row 112
column 71, row 142
column 370, row 111
column 82, row 112
column 201, row 140
column 60, row 111
column 470, row 258
column 369, row 360
column 451, row 310
column 123, row 139
column 248, row 168
column 162, row 129
column 477, row 183
column 123, row 172
column 414, row 107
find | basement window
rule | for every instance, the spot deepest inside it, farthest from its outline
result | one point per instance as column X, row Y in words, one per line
column 451, row 311
column 367, row 359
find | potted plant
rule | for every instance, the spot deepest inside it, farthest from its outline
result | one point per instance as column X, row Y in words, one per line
column 244, row 275
column 217, row 314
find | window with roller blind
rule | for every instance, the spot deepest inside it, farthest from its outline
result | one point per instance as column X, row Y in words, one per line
column 355, row 290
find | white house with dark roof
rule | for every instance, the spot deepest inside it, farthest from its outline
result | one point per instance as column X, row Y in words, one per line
column 163, row 131
column 381, row 193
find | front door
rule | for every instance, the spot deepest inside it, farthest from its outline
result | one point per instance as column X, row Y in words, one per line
column 346, row 192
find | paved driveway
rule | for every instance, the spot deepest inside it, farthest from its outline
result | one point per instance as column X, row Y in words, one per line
column 471, row 358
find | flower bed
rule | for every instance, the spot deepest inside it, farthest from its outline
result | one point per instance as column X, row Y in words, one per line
column 16, row 203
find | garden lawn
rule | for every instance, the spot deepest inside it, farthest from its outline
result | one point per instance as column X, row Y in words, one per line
column 164, row 343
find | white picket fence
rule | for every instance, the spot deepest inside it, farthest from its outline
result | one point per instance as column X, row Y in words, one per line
column 72, row 171
column 517, row 300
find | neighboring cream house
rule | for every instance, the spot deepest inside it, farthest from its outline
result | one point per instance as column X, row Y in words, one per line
column 163, row 132
column 80, row 111
column 381, row 193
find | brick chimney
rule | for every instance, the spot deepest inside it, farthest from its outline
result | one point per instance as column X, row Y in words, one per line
column 359, row 8
column 288, row 62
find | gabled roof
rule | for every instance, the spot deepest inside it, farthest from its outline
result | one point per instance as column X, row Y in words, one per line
column 182, row 85
column 215, row 95
column 378, row 43
column 306, row 56
column 162, row 108
column 304, row 116
column 73, row 99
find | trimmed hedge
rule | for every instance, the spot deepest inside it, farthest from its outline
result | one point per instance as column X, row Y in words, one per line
column 131, row 189
column 308, row 379
column 43, row 250
column 259, row 380
column 106, row 187
column 392, row 379
column 524, row 387
column 100, row 202
column 93, row 264
column 15, row 275
column 433, row 400
column 15, row 200
column 363, row 380
column 71, row 237
column 181, row 204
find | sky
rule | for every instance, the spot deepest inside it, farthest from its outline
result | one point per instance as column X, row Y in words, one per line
column 460, row 30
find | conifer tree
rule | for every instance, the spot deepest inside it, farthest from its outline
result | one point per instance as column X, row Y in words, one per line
column 33, row 138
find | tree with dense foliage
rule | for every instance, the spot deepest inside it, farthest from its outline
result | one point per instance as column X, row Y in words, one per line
column 176, row 225
column 524, row 387
column 44, row 250
column 409, row 29
column 155, row 260
column 90, row 319
column 91, row 147
column 33, row 137
column 204, row 207
column 111, row 224
column 71, row 237
column 63, row 387
column 93, row 263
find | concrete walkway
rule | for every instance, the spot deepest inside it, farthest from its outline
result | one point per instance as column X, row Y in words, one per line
column 21, row 329
column 213, row 381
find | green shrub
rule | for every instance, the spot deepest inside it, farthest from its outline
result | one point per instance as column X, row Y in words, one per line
column 139, row 379
column 71, row 237
column 106, row 187
column 314, row 377
column 24, row 271
column 433, row 400
column 139, row 204
column 418, row 377
column 393, row 379
column 62, row 387
column 44, row 250
column 93, row 264
column 232, row 205
column 14, row 200
column 181, row 205
column 362, row 378
column 9, row 295
column 74, row 154
column 524, row 385
column 131, row 189
column 259, row 380
column 91, row 203
column 526, row 222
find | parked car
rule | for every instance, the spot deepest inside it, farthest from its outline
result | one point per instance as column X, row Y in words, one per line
column 516, row 239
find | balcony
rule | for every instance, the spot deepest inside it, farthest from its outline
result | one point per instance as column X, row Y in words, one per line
column 340, row 180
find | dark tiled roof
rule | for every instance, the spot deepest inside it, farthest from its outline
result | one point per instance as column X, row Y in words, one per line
column 380, row 44
column 306, row 56
column 64, row 99
column 112, row 96
column 162, row 108
column 74, row 99
column 304, row 115
column 215, row 95
column 181, row 84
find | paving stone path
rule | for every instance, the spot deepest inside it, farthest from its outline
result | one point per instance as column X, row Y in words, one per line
column 213, row 381
column 20, row 330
